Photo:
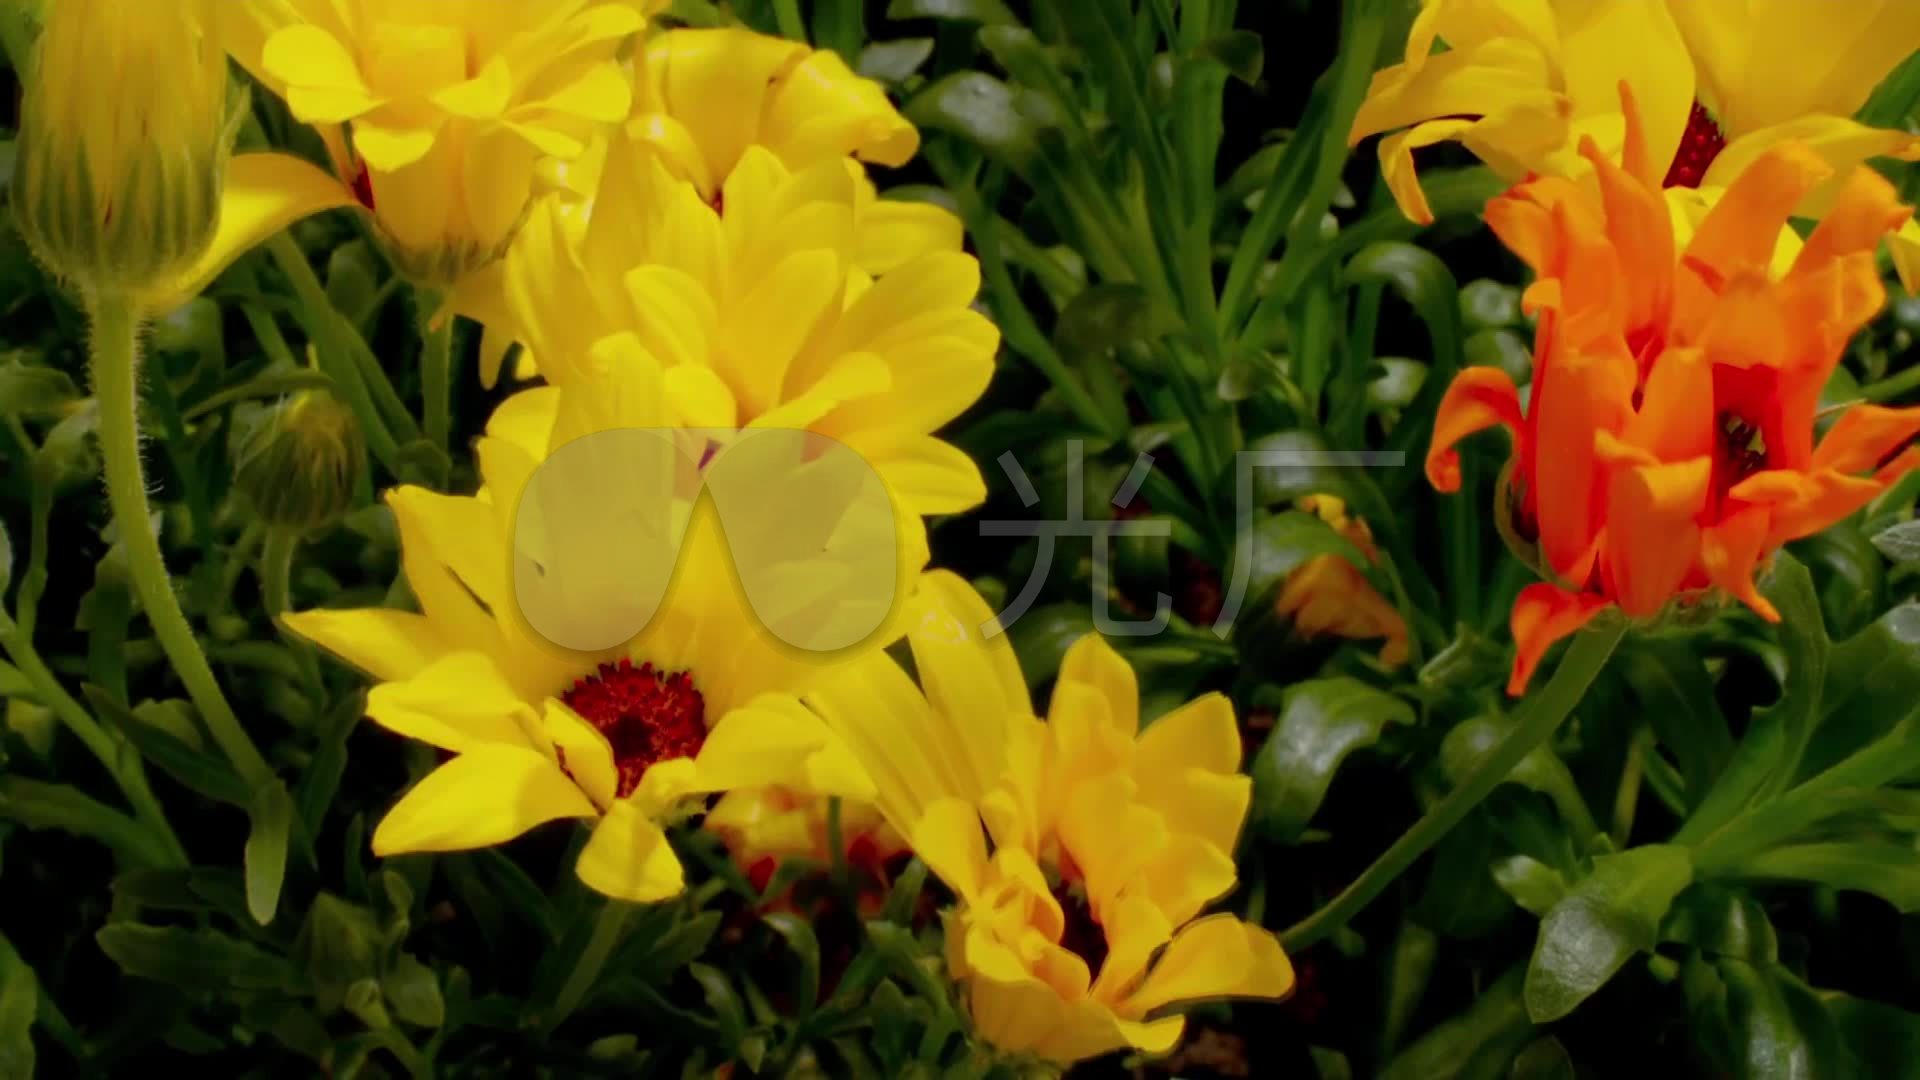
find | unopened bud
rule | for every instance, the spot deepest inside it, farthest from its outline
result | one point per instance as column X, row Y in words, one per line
column 123, row 143
column 299, row 463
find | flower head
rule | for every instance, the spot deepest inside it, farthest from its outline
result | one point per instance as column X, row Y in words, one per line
column 1669, row 443
column 1329, row 595
column 436, row 114
column 701, row 698
column 123, row 142
column 1522, row 82
column 300, row 462
column 1081, row 849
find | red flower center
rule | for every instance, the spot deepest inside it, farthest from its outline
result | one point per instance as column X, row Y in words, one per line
column 363, row 187
column 647, row 716
column 1702, row 143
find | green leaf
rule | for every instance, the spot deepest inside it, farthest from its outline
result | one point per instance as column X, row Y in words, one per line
column 984, row 111
column 1284, row 542
column 1725, row 922
column 19, row 1002
column 1900, row 543
column 1873, row 679
column 338, row 946
column 1409, row 970
column 28, row 390
column 6, row 558
column 1882, row 1041
column 1042, row 637
column 413, row 992
column 894, row 62
column 204, row 773
column 1606, row 918
column 193, row 959
column 1494, row 1019
column 1781, row 1031
column 1486, row 304
column 1676, row 695
column 1541, row 770
column 1241, row 52
column 806, row 949
column 1107, row 316
column 1320, row 724
column 271, row 812
column 1889, row 871
column 1533, row 884
column 1543, row 1059
column 985, row 12
column 724, row 1003
column 1504, row 349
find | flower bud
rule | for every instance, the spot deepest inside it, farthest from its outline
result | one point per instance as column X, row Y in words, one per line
column 299, row 463
column 123, row 139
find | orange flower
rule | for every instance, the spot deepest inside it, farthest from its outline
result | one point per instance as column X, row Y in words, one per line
column 1668, row 446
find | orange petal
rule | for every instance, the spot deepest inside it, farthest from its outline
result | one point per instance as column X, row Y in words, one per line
column 1641, row 230
column 1634, row 157
column 1479, row 398
column 1675, row 418
column 1542, row 615
column 1743, row 227
column 1805, row 503
column 1577, row 394
column 1730, row 549
column 1892, row 471
column 1868, row 209
column 1865, row 436
column 1651, row 535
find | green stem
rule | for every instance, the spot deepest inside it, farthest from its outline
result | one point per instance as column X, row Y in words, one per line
column 116, row 378
column 276, row 578
column 324, row 327
column 436, row 372
column 120, row 759
column 1539, row 718
column 786, row 14
column 1893, row 386
column 1626, row 800
column 608, row 927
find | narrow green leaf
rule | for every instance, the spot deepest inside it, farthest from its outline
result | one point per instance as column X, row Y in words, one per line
column 19, row 1002
column 1882, row 1041
column 981, row 109
column 1899, row 543
column 985, row 12
column 1889, row 871
column 1605, row 919
column 413, row 992
column 204, row 773
column 894, row 62
column 266, row 852
column 806, row 951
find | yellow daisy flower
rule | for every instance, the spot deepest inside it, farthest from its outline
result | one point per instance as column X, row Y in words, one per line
column 1079, row 923
column 762, row 313
column 1329, row 595
column 1718, row 82
column 434, row 114
column 702, row 699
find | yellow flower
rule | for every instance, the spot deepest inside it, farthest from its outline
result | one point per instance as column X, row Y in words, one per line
column 435, row 115
column 702, row 699
column 1081, row 921
column 704, row 96
column 764, row 826
column 1329, row 595
column 123, row 142
column 1718, row 82
column 763, row 315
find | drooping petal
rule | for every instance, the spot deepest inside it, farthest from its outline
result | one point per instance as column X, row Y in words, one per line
column 1478, row 398
column 388, row 645
column 1216, row 957
column 948, row 839
column 1730, row 549
column 458, row 703
column 628, row 858
column 263, row 193
column 1865, row 436
column 1805, row 503
column 1543, row 614
column 486, row 796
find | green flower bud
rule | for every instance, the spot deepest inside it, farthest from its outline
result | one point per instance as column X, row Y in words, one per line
column 124, row 132
column 299, row 463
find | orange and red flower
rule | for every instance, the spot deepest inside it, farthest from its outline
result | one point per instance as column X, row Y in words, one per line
column 1669, row 441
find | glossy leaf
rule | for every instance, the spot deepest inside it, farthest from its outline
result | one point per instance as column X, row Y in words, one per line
column 1320, row 724
column 1606, row 918
column 1533, row 884
column 1899, row 543
column 1882, row 1042
column 981, row 109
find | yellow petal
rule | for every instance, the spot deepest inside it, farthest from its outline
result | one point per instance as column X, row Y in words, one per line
column 699, row 398
column 948, row 839
column 1840, row 142
column 894, row 232
column 388, row 645
column 1636, row 42
column 973, row 682
column 389, row 148
column 1201, row 734
column 583, row 752
column 1093, row 663
column 628, row 858
column 459, row 703
column 876, row 709
column 928, row 476
column 1217, row 957
column 483, row 96
column 776, row 741
column 263, row 194
column 324, row 83
column 486, row 796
